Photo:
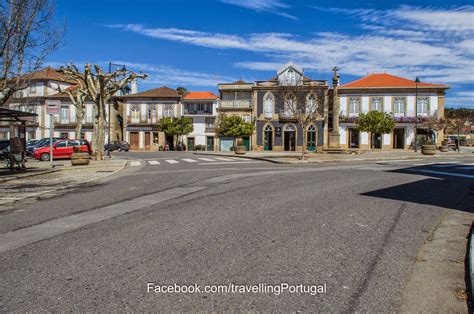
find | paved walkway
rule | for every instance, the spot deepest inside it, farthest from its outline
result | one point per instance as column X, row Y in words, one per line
column 41, row 181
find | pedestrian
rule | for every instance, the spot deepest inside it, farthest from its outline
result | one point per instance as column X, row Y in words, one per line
column 456, row 143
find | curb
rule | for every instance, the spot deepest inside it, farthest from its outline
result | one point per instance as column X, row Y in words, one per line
column 276, row 161
column 470, row 256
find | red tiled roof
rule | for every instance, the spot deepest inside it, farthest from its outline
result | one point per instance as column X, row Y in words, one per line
column 48, row 74
column 63, row 93
column 386, row 80
column 200, row 95
column 161, row 92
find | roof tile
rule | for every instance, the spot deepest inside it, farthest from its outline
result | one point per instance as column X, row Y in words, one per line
column 386, row 80
column 201, row 95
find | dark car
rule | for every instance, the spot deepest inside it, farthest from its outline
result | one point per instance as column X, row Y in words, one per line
column 4, row 144
column 117, row 145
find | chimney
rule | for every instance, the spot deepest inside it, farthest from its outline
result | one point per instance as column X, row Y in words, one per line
column 134, row 87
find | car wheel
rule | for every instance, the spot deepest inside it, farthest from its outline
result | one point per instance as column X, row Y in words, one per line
column 44, row 157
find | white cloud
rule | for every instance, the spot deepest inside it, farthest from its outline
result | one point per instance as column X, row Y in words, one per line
column 271, row 6
column 159, row 75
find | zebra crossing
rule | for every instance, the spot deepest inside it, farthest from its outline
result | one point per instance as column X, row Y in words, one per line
column 197, row 160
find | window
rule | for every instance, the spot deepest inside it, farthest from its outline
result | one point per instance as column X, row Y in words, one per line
column 354, row 105
column 311, row 104
column 290, row 104
column 399, row 105
column 64, row 114
column 246, row 118
column 210, row 123
column 135, row 112
column 376, row 103
column 73, row 143
column 168, row 111
column 422, row 105
column 64, row 135
column 268, row 104
column 32, row 89
column 61, row 144
column 290, row 77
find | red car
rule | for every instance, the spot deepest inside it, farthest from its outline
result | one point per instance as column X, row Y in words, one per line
column 63, row 149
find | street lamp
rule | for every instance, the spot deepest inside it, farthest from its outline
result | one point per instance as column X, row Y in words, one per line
column 417, row 80
column 110, row 70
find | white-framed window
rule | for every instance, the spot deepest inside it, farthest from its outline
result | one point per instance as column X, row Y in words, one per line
column 311, row 103
column 399, row 105
column 32, row 89
column 376, row 103
column 135, row 111
column 168, row 111
column 64, row 118
column 290, row 77
column 246, row 118
column 423, row 105
column 268, row 105
column 354, row 105
column 290, row 104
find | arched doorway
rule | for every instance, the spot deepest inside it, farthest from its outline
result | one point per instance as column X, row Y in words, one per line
column 311, row 138
column 290, row 137
column 268, row 137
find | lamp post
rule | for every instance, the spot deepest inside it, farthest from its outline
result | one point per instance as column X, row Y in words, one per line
column 108, row 137
column 417, row 80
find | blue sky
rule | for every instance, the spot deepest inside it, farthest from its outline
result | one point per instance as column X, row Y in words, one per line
column 201, row 43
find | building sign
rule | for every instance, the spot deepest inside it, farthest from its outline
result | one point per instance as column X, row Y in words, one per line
column 52, row 106
column 278, row 131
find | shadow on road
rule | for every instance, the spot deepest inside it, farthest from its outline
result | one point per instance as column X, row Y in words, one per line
column 438, row 190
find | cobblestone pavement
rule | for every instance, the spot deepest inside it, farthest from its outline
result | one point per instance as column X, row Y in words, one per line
column 51, row 184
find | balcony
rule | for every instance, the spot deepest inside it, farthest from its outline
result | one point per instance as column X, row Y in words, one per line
column 197, row 112
column 143, row 120
column 72, row 120
column 210, row 129
column 235, row 104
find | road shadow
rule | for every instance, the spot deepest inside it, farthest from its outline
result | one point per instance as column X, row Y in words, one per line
column 438, row 190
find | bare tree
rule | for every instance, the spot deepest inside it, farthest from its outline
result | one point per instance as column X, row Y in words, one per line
column 77, row 96
column 304, row 104
column 28, row 34
column 99, row 87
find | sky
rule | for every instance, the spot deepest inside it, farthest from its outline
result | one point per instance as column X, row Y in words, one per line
column 198, row 44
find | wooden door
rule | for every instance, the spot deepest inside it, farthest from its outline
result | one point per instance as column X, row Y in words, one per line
column 134, row 141
column 147, row 141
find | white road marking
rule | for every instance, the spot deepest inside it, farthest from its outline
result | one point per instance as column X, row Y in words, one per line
column 189, row 160
column 229, row 163
column 153, row 162
column 224, row 159
column 135, row 163
column 171, row 161
column 444, row 173
column 206, row 159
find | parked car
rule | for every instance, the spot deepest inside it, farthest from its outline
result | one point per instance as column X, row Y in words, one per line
column 30, row 150
column 4, row 144
column 62, row 149
column 117, row 145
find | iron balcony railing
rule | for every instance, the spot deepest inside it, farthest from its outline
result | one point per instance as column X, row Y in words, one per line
column 235, row 104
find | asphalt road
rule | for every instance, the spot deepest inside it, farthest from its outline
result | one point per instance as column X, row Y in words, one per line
column 354, row 228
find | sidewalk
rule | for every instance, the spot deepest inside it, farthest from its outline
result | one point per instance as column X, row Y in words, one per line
column 438, row 282
column 40, row 180
column 294, row 157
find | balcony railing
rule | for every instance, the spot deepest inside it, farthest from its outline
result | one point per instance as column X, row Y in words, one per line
column 235, row 104
column 197, row 112
column 143, row 120
column 72, row 120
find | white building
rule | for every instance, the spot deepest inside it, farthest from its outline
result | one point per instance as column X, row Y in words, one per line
column 394, row 95
column 142, row 113
column 201, row 108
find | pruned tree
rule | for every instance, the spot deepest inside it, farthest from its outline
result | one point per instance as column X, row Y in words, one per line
column 301, row 103
column 375, row 122
column 28, row 34
column 459, row 118
column 233, row 126
column 77, row 97
column 177, row 126
column 433, row 125
column 99, row 87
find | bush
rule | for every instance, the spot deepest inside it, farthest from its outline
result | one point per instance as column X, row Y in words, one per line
column 200, row 147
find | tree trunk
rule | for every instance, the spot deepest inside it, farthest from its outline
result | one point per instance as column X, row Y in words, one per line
column 79, row 117
column 371, row 141
column 100, row 126
column 303, row 143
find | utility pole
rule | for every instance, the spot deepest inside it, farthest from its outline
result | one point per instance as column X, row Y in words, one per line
column 417, row 80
